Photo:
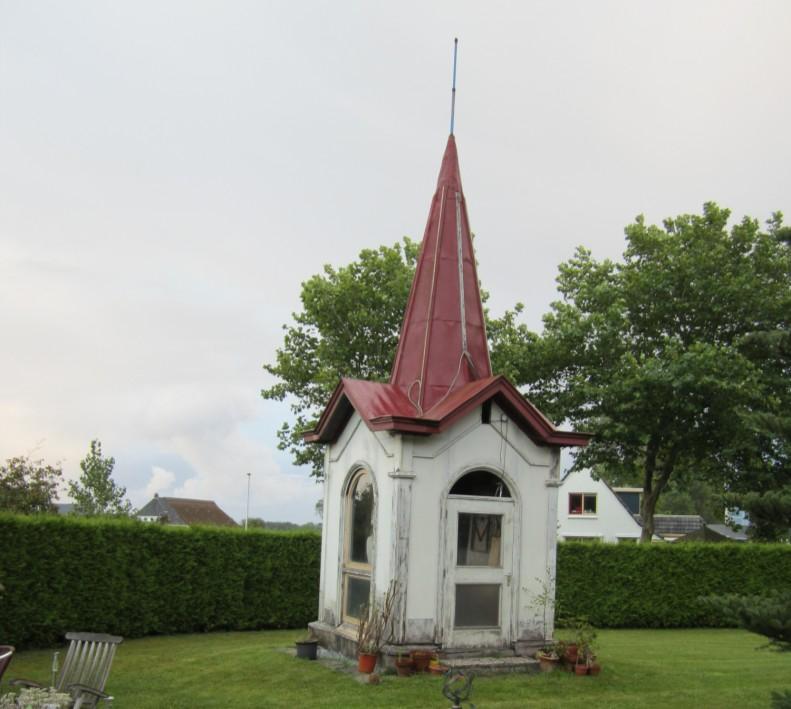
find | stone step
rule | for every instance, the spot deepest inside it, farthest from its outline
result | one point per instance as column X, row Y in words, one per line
column 493, row 665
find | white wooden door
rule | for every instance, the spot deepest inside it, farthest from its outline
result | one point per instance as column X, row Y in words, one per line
column 478, row 588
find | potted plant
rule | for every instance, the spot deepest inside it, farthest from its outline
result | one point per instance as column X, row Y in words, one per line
column 585, row 636
column 550, row 655
column 436, row 667
column 593, row 666
column 582, row 640
column 421, row 658
column 374, row 630
column 307, row 648
column 404, row 665
column 570, row 653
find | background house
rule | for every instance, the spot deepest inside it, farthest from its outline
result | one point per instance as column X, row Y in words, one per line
column 590, row 510
column 177, row 510
column 714, row 533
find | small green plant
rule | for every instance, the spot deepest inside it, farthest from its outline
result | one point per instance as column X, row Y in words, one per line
column 35, row 698
column 544, row 600
column 584, row 637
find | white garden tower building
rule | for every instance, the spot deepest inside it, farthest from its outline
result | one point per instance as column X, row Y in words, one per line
column 444, row 479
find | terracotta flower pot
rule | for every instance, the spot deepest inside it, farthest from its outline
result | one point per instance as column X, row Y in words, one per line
column 580, row 670
column 548, row 663
column 595, row 668
column 570, row 656
column 405, row 668
column 421, row 658
column 366, row 662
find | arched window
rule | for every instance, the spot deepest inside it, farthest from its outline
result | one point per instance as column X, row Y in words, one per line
column 358, row 545
column 480, row 483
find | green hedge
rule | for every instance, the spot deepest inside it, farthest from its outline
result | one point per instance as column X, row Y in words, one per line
column 658, row 585
column 133, row 579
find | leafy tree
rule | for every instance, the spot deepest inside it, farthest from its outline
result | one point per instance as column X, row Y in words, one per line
column 693, row 497
column 349, row 326
column 28, row 486
column 651, row 354
column 769, row 513
column 96, row 493
column 258, row 523
column 765, row 498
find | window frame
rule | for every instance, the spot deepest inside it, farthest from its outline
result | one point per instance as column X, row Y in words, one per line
column 349, row 568
column 582, row 512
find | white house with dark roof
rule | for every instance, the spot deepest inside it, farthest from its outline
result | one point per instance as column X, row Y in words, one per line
column 185, row 512
column 590, row 510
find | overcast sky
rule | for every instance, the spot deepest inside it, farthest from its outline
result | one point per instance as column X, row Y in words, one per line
column 170, row 172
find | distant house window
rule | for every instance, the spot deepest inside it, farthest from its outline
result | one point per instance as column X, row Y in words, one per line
column 581, row 503
column 582, row 539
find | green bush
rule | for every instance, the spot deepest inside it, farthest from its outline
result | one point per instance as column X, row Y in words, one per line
column 135, row 579
column 660, row 585
column 132, row 579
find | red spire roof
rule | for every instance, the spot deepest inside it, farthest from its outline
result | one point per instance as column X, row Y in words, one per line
column 441, row 370
column 443, row 338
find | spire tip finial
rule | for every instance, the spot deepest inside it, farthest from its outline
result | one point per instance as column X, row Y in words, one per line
column 453, row 90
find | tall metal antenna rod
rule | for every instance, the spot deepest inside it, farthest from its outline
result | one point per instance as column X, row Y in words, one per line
column 453, row 92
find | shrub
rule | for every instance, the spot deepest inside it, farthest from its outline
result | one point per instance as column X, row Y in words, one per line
column 661, row 585
column 132, row 579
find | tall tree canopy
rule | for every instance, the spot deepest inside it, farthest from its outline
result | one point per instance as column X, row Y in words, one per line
column 653, row 354
column 767, row 500
column 96, row 493
column 28, row 486
column 662, row 356
column 348, row 327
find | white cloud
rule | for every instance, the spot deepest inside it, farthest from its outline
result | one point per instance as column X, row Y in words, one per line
column 160, row 482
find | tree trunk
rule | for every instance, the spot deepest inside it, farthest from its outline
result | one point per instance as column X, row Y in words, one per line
column 653, row 489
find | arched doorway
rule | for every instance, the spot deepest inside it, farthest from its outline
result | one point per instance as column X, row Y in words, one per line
column 478, row 563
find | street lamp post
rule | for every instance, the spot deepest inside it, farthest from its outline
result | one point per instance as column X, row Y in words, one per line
column 247, row 514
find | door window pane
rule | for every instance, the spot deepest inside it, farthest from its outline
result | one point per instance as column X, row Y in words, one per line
column 358, row 592
column 477, row 605
column 479, row 540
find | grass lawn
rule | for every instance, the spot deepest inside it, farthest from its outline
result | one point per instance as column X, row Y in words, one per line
column 641, row 668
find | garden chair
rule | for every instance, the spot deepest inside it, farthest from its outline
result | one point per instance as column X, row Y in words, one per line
column 85, row 669
column 6, row 651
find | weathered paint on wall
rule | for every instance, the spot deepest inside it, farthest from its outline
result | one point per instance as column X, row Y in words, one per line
column 412, row 478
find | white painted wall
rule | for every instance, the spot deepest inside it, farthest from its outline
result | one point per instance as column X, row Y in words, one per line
column 412, row 476
column 612, row 520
